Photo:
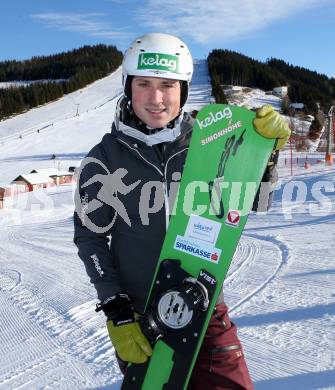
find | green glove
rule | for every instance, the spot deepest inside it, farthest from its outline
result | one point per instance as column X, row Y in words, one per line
column 129, row 342
column 270, row 124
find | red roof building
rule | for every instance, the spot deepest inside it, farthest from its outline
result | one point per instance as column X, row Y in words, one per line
column 31, row 182
column 59, row 177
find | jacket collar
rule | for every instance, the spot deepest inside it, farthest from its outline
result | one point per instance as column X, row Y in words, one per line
column 129, row 136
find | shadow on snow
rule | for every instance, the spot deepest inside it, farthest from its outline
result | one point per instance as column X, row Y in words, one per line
column 305, row 381
column 305, row 313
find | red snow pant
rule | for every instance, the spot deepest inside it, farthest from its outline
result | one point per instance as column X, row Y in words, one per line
column 220, row 364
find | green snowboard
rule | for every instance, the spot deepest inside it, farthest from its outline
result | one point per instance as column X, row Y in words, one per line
column 225, row 163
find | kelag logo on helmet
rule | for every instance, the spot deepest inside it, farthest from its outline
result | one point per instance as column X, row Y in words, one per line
column 158, row 61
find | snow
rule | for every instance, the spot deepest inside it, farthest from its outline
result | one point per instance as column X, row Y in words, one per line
column 51, row 172
column 36, row 178
column 255, row 98
column 26, row 83
column 251, row 98
column 280, row 288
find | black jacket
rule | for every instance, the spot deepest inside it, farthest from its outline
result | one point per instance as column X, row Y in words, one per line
column 119, row 257
column 126, row 261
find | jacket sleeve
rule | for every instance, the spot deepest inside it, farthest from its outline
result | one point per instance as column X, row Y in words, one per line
column 93, row 223
column 264, row 195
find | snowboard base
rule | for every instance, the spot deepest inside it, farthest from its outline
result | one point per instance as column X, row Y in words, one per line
column 176, row 312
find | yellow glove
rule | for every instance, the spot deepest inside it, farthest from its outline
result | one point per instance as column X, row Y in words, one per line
column 129, row 342
column 270, row 124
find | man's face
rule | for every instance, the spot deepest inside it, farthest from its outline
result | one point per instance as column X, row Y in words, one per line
column 156, row 101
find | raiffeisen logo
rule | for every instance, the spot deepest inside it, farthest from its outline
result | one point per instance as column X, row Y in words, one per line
column 213, row 118
column 158, row 61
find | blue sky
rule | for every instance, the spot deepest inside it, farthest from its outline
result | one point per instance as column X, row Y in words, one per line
column 301, row 32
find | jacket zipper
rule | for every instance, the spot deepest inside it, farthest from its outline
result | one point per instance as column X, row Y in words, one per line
column 163, row 176
column 218, row 350
column 143, row 158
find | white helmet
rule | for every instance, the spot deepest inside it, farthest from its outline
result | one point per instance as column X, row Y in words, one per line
column 157, row 55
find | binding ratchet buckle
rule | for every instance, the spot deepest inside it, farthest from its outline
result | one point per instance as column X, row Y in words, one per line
column 176, row 309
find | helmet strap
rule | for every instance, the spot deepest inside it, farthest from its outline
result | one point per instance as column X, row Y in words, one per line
column 127, row 87
column 183, row 92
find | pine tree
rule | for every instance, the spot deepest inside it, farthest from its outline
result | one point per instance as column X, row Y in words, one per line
column 78, row 68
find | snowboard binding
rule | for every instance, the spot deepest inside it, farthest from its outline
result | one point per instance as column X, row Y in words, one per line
column 181, row 300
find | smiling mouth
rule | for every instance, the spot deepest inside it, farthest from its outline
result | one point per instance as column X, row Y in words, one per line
column 155, row 112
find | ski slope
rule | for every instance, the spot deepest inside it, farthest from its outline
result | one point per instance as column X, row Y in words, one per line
column 280, row 288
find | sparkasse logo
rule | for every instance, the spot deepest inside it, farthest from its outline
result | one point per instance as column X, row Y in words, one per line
column 214, row 256
column 198, row 249
column 158, row 61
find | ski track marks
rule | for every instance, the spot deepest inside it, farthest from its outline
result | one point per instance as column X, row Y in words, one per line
column 50, row 335
column 280, row 286
column 259, row 257
column 287, row 320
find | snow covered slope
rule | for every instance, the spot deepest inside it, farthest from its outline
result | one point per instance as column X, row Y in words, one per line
column 56, row 129
column 280, row 287
column 251, row 97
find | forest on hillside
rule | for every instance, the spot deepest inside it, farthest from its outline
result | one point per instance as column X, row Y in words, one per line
column 55, row 76
column 304, row 86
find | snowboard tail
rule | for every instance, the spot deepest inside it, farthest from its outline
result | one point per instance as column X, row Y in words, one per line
column 179, row 328
column 224, row 166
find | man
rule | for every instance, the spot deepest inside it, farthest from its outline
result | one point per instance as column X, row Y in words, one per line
column 143, row 155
